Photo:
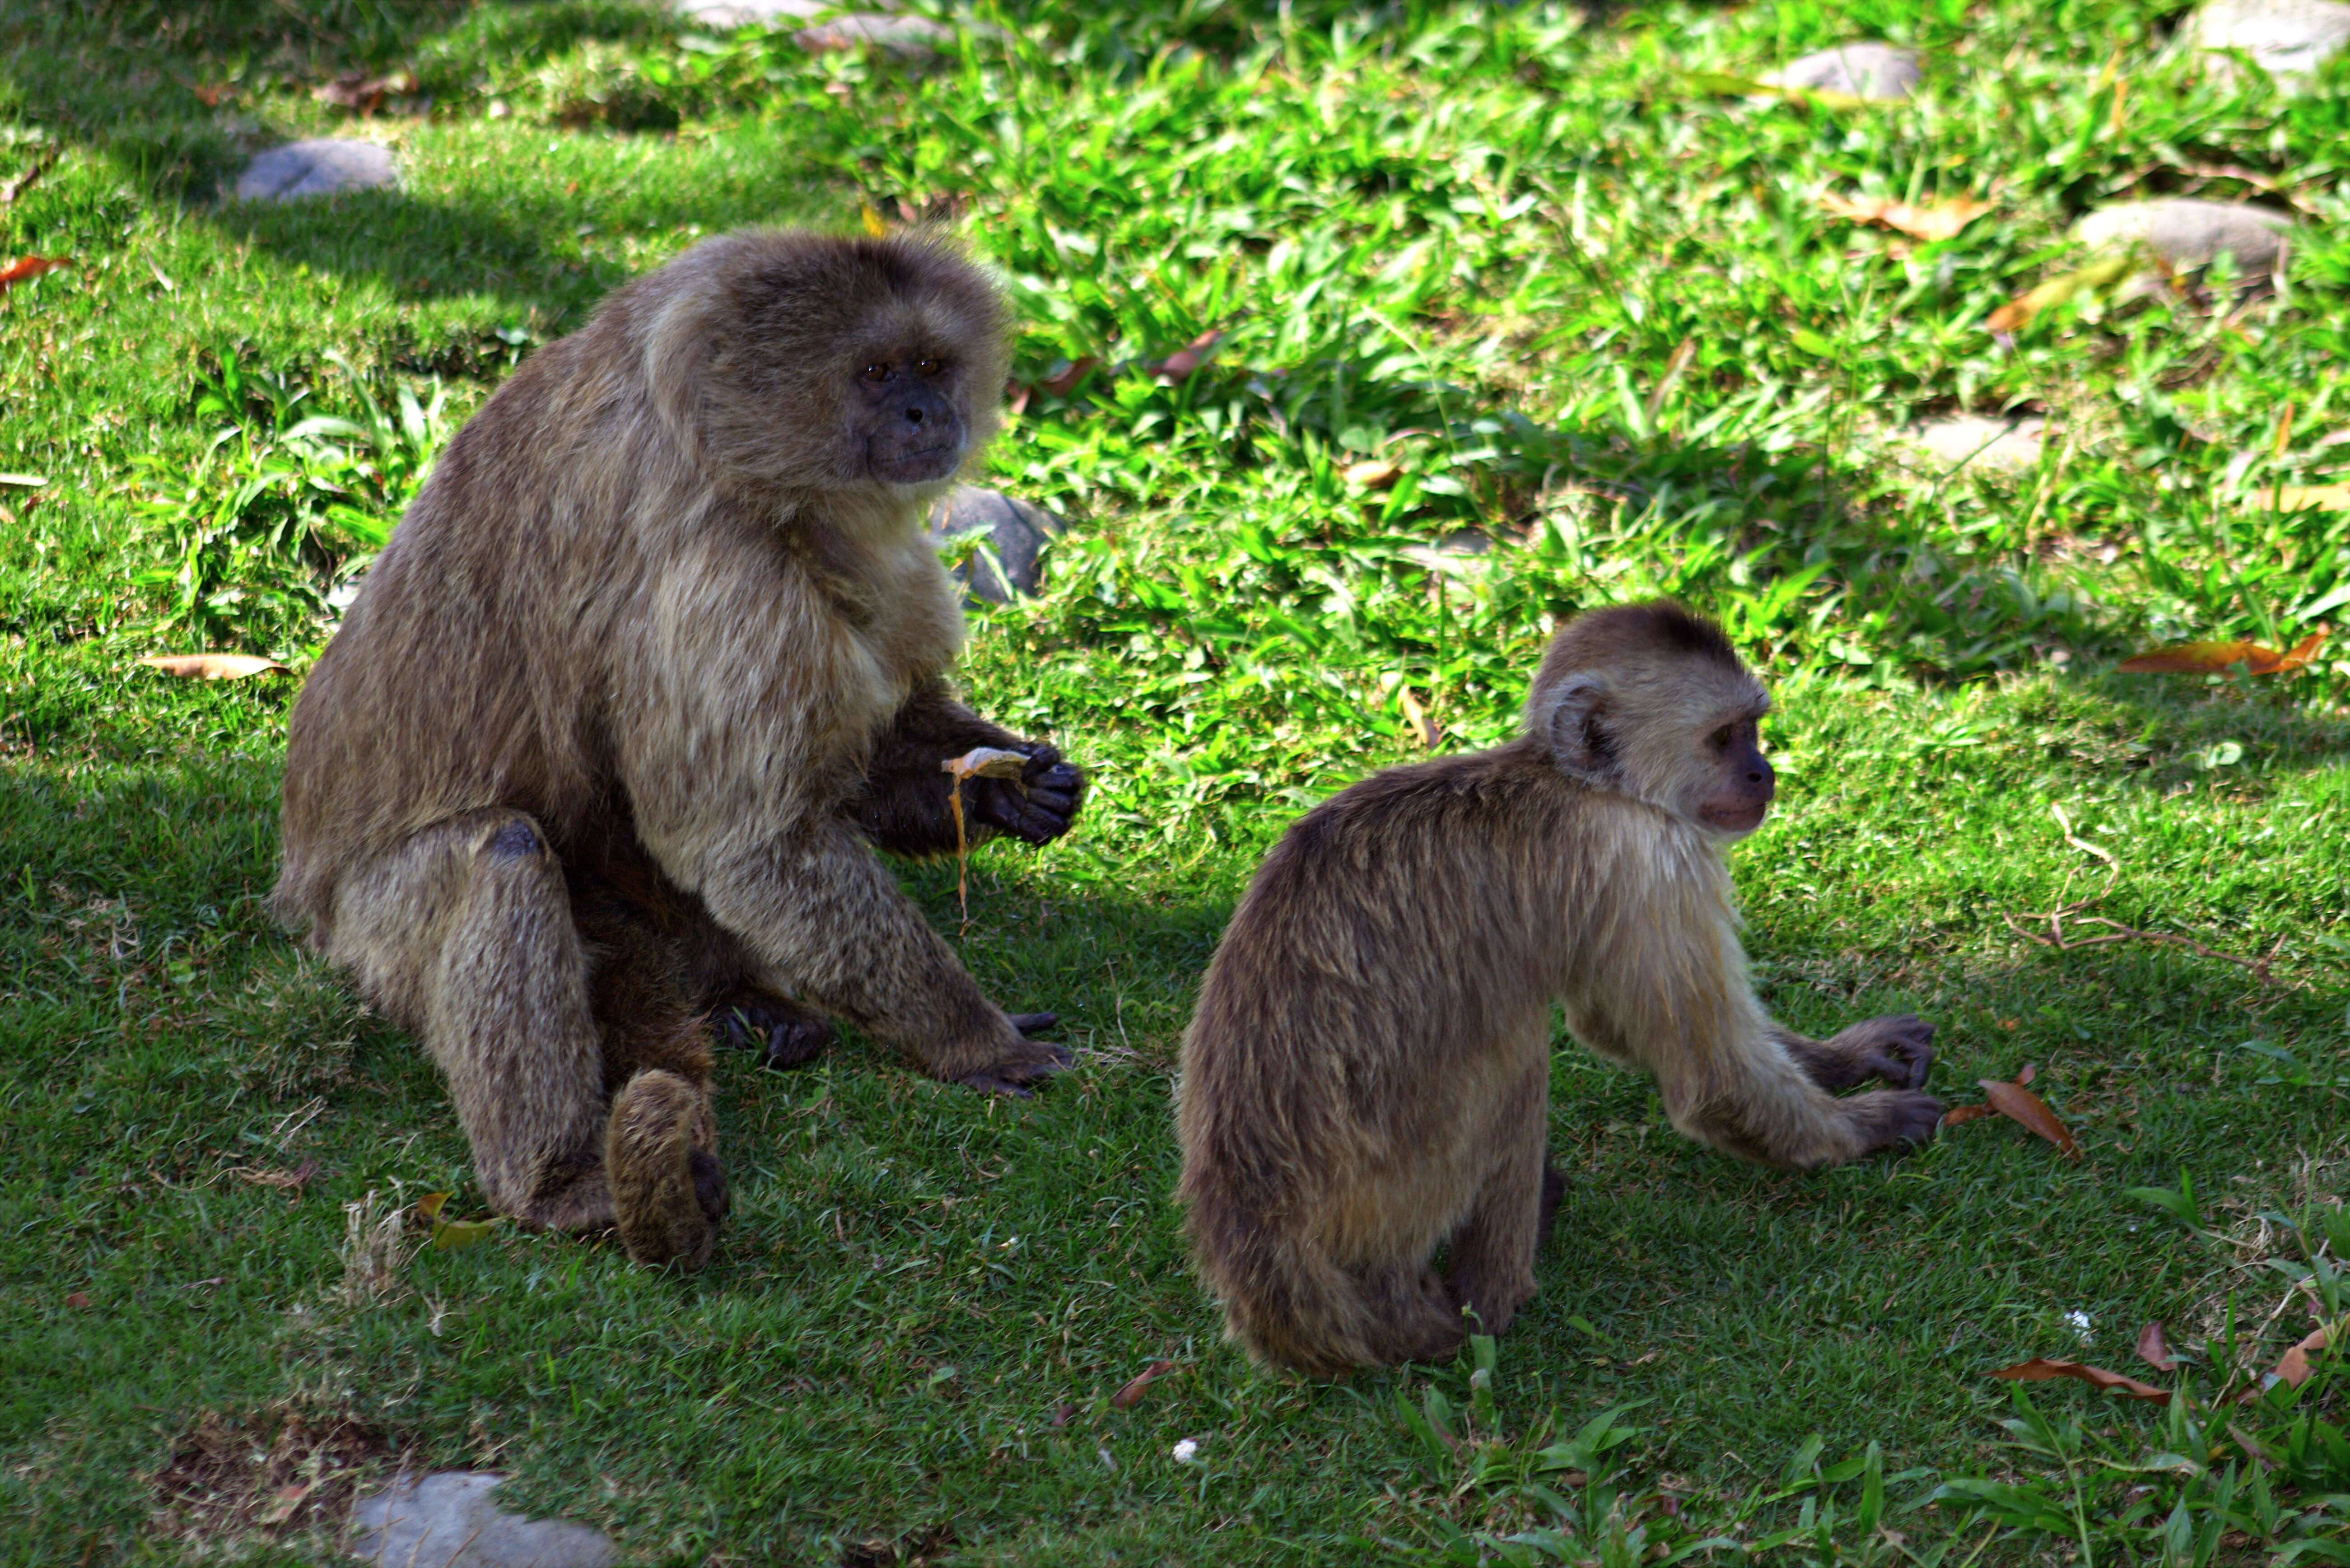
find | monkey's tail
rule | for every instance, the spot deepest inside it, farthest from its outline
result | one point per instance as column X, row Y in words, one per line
column 1288, row 1301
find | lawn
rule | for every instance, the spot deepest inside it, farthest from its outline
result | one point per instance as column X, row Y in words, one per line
column 1522, row 311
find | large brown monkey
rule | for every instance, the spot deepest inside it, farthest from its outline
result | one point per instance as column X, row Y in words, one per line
column 1367, row 1075
column 652, row 662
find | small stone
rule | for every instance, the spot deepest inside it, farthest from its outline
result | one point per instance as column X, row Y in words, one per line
column 2287, row 38
column 323, row 168
column 1866, row 69
column 449, row 1521
column 2186, row 233
column 1016, row 534
column 1980, row 445
column 908, row 37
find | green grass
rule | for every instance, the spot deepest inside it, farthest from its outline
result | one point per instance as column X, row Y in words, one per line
column 1472, row 240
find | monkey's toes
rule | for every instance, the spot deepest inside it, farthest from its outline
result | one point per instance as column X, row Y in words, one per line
column 1911, row 1119
column 1906, row 1054
column 1034, row 1024
column 1012, row 1078
column 668, row 1192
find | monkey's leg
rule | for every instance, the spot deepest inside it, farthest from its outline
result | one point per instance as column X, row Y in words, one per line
column 1897, row 1049
column 1492, row 1272
column 465, row 931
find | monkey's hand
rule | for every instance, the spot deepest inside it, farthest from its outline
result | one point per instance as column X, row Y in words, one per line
column 1897, row 1049
column 1038, row 806
column 1028, row 1063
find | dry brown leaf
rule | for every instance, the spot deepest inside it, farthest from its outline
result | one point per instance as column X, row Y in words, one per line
column 360, row 92
column 212, row 666
column 23, row 267
column 2040, row 1369
column 1938, row 221
column 2294, row 1368
column 2153, row 1348
column 1375, row 473
column 1959, row 1115
column 2300, row 497
column 1179, row 366
column 77, row 1300
column 1424, row 729
column 2201, row 658
column 2057, row 290
column 1139, row 1384
column 2018, row 1104
column 1063, row 383
column 291, row 1181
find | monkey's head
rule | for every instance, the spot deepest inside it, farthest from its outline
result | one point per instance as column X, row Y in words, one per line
column 797, row 362
column 1651, row 702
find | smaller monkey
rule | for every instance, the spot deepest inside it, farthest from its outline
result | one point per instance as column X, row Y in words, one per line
column 1367, row 1077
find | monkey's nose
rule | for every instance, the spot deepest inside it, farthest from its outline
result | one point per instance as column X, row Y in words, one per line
column 913, row 416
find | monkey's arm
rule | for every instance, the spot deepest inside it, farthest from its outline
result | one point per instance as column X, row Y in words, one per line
column 902, row 805
column 1668, row 990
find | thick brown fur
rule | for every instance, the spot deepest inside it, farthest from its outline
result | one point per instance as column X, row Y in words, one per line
column 1367, row 1077
column 650, row 665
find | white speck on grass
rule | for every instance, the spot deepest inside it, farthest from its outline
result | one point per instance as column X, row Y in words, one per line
column 2079, row 1321
column 1187, row 1450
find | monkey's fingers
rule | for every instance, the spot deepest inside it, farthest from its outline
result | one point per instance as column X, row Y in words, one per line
column 1027, row 817
column 709, row 1184
column 1034, row 1024
column 1907, row 1054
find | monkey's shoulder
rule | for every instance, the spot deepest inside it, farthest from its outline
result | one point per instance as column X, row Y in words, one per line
column 1450, row 803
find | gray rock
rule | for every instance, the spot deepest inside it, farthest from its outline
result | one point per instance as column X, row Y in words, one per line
column 2287, row 38
column 908, row 37
column 321, row 168
column 448, row 1521
column 1980, row 445
column 1866, row 69
column 747, row 13
column 2189, row 234
column 1016, row 535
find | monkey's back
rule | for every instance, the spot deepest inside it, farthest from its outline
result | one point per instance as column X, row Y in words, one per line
column 1301, row 1072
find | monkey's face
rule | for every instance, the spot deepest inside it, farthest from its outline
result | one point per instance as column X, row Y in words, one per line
column 908, row 425
column 1737, row 783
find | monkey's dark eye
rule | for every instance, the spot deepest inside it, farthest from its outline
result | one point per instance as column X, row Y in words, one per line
column 1720, row 739
column 928, row 368
column 875, row 372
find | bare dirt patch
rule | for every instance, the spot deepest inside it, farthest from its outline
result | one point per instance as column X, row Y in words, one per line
column 275, row 1474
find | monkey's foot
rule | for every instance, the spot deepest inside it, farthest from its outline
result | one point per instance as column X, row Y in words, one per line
column 789, row 1033
column 1892, row 1118
column 1015, row 1071
column 668, row 1192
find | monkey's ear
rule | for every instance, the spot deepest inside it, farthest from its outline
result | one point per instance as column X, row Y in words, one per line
column 1577, row 728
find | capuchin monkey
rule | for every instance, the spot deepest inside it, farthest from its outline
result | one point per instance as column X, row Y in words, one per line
column 1367, row 1077
column 653, row 664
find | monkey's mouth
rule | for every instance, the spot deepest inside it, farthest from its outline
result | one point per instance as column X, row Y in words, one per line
column 1737, row 819
column 919, row 465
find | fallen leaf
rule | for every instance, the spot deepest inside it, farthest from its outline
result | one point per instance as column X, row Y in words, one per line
column 2294, row 1368
column 23, row 267
column 1179, row 366
column 429, row 1205
column 211, row 95
column 2153, row 1348
column 2300, row 497
column 1376, row 473
column 1064, row 1413
column 456, row 1235
column 77, row 1300
column 2200, row 657
column 1959, row 1115
column 2096, row 275
column 2018, row 1104
column 360, row 92
column 1747, row 87
column 1939, row 221
column 1423, row 728
column 1127, row 1397
column 872, row 219
column 2040, row 1369
column 212, row 666
column 292, row 1181
column 288, row 1498
column 1062, row 382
